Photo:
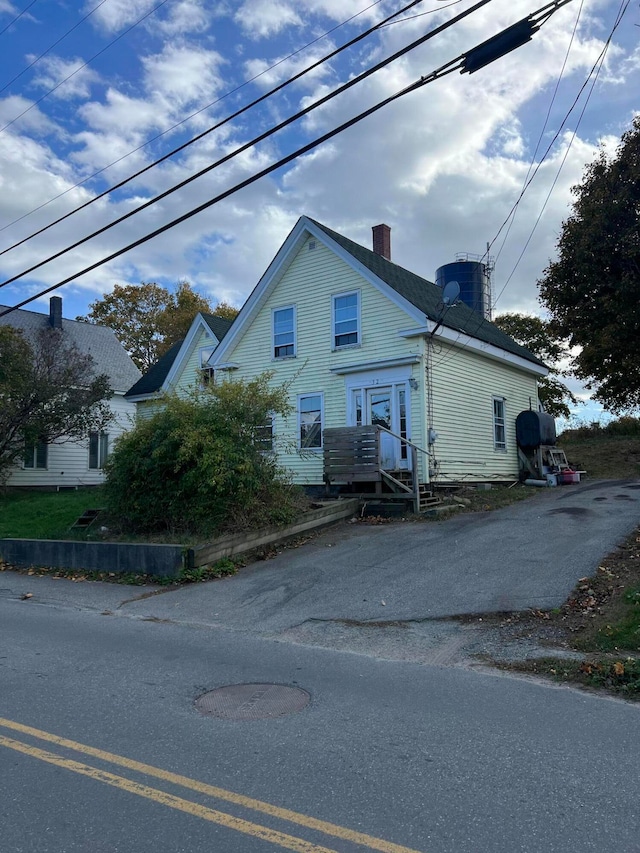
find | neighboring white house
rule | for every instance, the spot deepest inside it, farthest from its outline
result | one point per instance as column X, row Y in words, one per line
column 79, row 463
column 360, row 340
column 183, row 366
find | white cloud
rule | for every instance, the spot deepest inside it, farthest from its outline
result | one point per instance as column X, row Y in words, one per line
column 52, row 70
column 182, row 74
column 115, row 15
column 265, row 18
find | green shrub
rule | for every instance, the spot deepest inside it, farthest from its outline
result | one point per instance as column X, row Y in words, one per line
column 196, row 466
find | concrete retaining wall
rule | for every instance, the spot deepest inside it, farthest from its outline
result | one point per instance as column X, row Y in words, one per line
column 158, row 560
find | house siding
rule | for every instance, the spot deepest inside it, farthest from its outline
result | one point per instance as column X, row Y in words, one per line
column 309, row 282
column 464, row 385
column 68, row 462
column 188, row 377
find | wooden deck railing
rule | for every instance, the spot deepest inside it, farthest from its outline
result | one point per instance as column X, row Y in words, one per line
column 352, row 455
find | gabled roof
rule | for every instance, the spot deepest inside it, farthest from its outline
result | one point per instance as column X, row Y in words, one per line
column 155, row 378
column 100, row 342
column 421, row 299
column 427, row 297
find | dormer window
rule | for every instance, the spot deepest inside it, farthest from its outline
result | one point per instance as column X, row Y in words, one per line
column 284, row 332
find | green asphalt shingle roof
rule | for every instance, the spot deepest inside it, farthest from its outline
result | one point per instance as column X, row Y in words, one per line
column 427, row 297
column 154, row 378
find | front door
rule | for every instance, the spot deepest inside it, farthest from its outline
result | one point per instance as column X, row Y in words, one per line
column 384, row 406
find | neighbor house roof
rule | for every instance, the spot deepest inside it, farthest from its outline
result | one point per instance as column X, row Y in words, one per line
column 427, row 297
column 155, row 377
column 101, row 343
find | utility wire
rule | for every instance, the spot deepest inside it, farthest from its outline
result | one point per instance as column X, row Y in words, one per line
column 543, row 129
column 187, row 118
column 599, row 63
column 254, row 141
column 461, row 63
column 214, row 127
column 51, row 46
column 596, row 68
column 18, row 16
column 84, row 64
column 448, row 68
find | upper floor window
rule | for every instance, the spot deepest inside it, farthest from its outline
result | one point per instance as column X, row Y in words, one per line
column 35, row 454
column 98, row 449
column 499, row 424
column 284, row 332
column 346, row 319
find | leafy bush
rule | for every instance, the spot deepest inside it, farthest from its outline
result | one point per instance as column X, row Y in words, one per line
column 626, row 426
column 196, row 465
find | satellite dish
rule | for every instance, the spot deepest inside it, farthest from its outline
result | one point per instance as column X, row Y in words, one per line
column 450, row 292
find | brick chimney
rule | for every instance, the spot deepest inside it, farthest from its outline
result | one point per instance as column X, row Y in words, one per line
column 382, row 241
column 55, row 312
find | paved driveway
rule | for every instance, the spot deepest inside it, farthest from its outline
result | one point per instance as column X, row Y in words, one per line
column 526, row 555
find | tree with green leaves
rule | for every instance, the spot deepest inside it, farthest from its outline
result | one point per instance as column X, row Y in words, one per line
column 49, row 391
column 199, row 465
column 592, row 291
column 538, row 337
column 148, row 319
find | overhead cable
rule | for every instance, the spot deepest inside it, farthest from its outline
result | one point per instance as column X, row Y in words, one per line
column 443, row 70
column 185, row 119
column 211, row 129
column 17, row 17
column 84, row 64
column 270, row 132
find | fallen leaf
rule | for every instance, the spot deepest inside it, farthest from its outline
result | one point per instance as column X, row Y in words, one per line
column 618, row 668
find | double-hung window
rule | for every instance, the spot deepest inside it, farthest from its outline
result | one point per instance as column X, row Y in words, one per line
column 310, row 407
column 284, row 332
column 265, row 436
column 98, row 449
column 346, row 319
column 499, row 424
column 35, row 454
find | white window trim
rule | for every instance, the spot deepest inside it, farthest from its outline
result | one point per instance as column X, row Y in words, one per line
column 35, row 466
column 499, row 448
column 275, row 357
column 335, row 296
column 101, row 461
column 299, row 442
column 210, row 349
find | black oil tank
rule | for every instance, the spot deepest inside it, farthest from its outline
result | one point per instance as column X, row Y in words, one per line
column 534, row 429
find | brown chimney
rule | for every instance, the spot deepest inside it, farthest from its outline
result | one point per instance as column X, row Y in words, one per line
column 55, row 312
column 382, row 241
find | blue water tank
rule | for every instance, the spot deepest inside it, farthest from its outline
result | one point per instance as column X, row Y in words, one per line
column 472, row 278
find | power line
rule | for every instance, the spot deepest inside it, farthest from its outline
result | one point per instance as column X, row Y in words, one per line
column 270, row 132
column 84, row 64
column 542, row 130
column 448, row 68
column 596, row 67
column 18, row 16
column 51, row 46
column 209, row 130
column 187, row 118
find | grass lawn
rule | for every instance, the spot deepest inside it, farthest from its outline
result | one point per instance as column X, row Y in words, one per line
column 44, row 515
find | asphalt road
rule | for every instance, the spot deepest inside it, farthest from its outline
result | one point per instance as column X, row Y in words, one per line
column 412, row 756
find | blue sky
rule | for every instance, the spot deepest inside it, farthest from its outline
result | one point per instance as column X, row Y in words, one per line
column 442, row 167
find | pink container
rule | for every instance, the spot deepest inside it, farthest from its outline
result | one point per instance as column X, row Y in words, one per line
column 567, row 477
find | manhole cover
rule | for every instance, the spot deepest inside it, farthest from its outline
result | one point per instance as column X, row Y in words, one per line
column 252, row 701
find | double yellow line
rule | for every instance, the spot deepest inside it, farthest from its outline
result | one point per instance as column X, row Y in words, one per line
column 275, row 837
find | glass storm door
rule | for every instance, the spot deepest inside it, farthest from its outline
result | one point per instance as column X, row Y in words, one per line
column 385, row 406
